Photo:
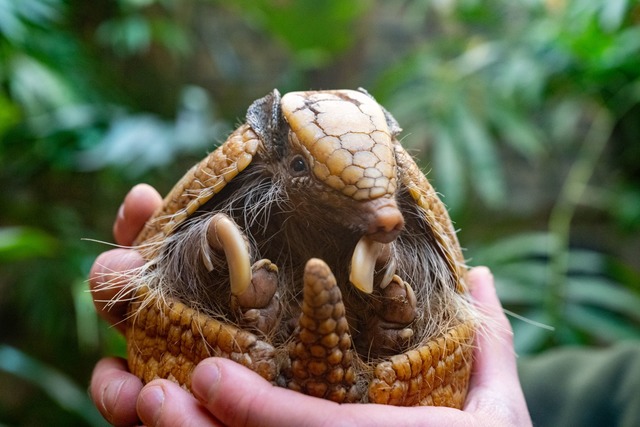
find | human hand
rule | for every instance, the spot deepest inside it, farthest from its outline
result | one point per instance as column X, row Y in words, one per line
column 114, row 390
column 225, row 393
column 108, row 273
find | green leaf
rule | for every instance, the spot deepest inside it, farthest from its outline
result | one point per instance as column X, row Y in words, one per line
column 604, row 294
column 37, row 86
column 18, row 243
column 586, row 262
column 58, row 386
column 612, row 14
column 40, row 12
column 485, row 170
column 9, row 113
column 564, row 120
column 113, row 341
column 127, row 35
column 517, row 131
column 314, row 31
column 86, row 316
column 11, row 26
column 514, row 292
column 529, row 336
column 600, row 323
column 171, row 36
column 513, row 248
column 532, row 273
column 448, row 168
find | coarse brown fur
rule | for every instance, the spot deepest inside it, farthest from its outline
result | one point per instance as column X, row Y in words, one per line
column 289, row 220
column 407, row 342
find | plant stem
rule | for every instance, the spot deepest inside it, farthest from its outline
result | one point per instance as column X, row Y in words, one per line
column 571, row 193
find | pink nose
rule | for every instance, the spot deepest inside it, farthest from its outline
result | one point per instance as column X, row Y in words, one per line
column 385, row 221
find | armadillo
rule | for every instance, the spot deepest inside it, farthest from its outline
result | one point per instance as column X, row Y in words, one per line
column 310, row 248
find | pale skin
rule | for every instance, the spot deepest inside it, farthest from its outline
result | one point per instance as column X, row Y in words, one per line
column 227, row 394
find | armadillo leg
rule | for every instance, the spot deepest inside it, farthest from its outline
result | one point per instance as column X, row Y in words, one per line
column 389, row 329
column 254, row 297
column 321, row 354
column 434, row 373
column 258, row 307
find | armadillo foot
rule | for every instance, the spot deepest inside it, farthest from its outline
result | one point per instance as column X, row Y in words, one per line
column 389, row 329
column 255, row 301
column 258, row 307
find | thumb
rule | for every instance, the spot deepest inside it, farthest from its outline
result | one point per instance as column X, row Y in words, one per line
column 238, row 396
column 495, row 390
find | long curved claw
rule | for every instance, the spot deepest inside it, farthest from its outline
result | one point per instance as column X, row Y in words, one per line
column 254, row 297
column 320, row 353
column 388, row 273
column 224, row 235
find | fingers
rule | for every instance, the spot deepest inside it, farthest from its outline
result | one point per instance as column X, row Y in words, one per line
column 108, row 273
column 495, row 344
column 237, row 396
column 495, row 389
column 121, row 399
column 164, row 403
column 107, row 280
column 114, row 390
column 138, row 206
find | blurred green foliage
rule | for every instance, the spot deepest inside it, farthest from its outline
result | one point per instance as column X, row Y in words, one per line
column 524, row 114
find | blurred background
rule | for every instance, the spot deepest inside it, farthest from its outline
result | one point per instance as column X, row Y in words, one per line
column 525, row 116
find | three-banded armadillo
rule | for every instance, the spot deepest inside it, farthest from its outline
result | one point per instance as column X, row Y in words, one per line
column 310, row 248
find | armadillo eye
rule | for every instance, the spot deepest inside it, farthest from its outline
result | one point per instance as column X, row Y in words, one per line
column 298, row 165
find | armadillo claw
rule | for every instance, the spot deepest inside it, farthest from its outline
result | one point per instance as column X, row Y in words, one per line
column 223, row 234
column 320, row 353
column 258, row 308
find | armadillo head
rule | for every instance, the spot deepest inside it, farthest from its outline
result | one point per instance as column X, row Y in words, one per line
column 347, row 140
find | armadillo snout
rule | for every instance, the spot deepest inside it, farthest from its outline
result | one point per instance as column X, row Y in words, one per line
column 384, row 220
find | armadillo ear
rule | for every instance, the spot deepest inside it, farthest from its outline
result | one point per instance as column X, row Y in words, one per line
column 392, row 123
column 265, row 118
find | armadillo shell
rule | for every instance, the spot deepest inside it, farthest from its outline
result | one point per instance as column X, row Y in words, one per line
column 167, row 339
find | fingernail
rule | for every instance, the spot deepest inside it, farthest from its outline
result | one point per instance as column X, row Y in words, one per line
column 150, row 403
column 109, row 398
column 478, row 274
column 205, row 380
column 128, row 260
column 120, row 213
column 136, row 190
column 114, row 264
